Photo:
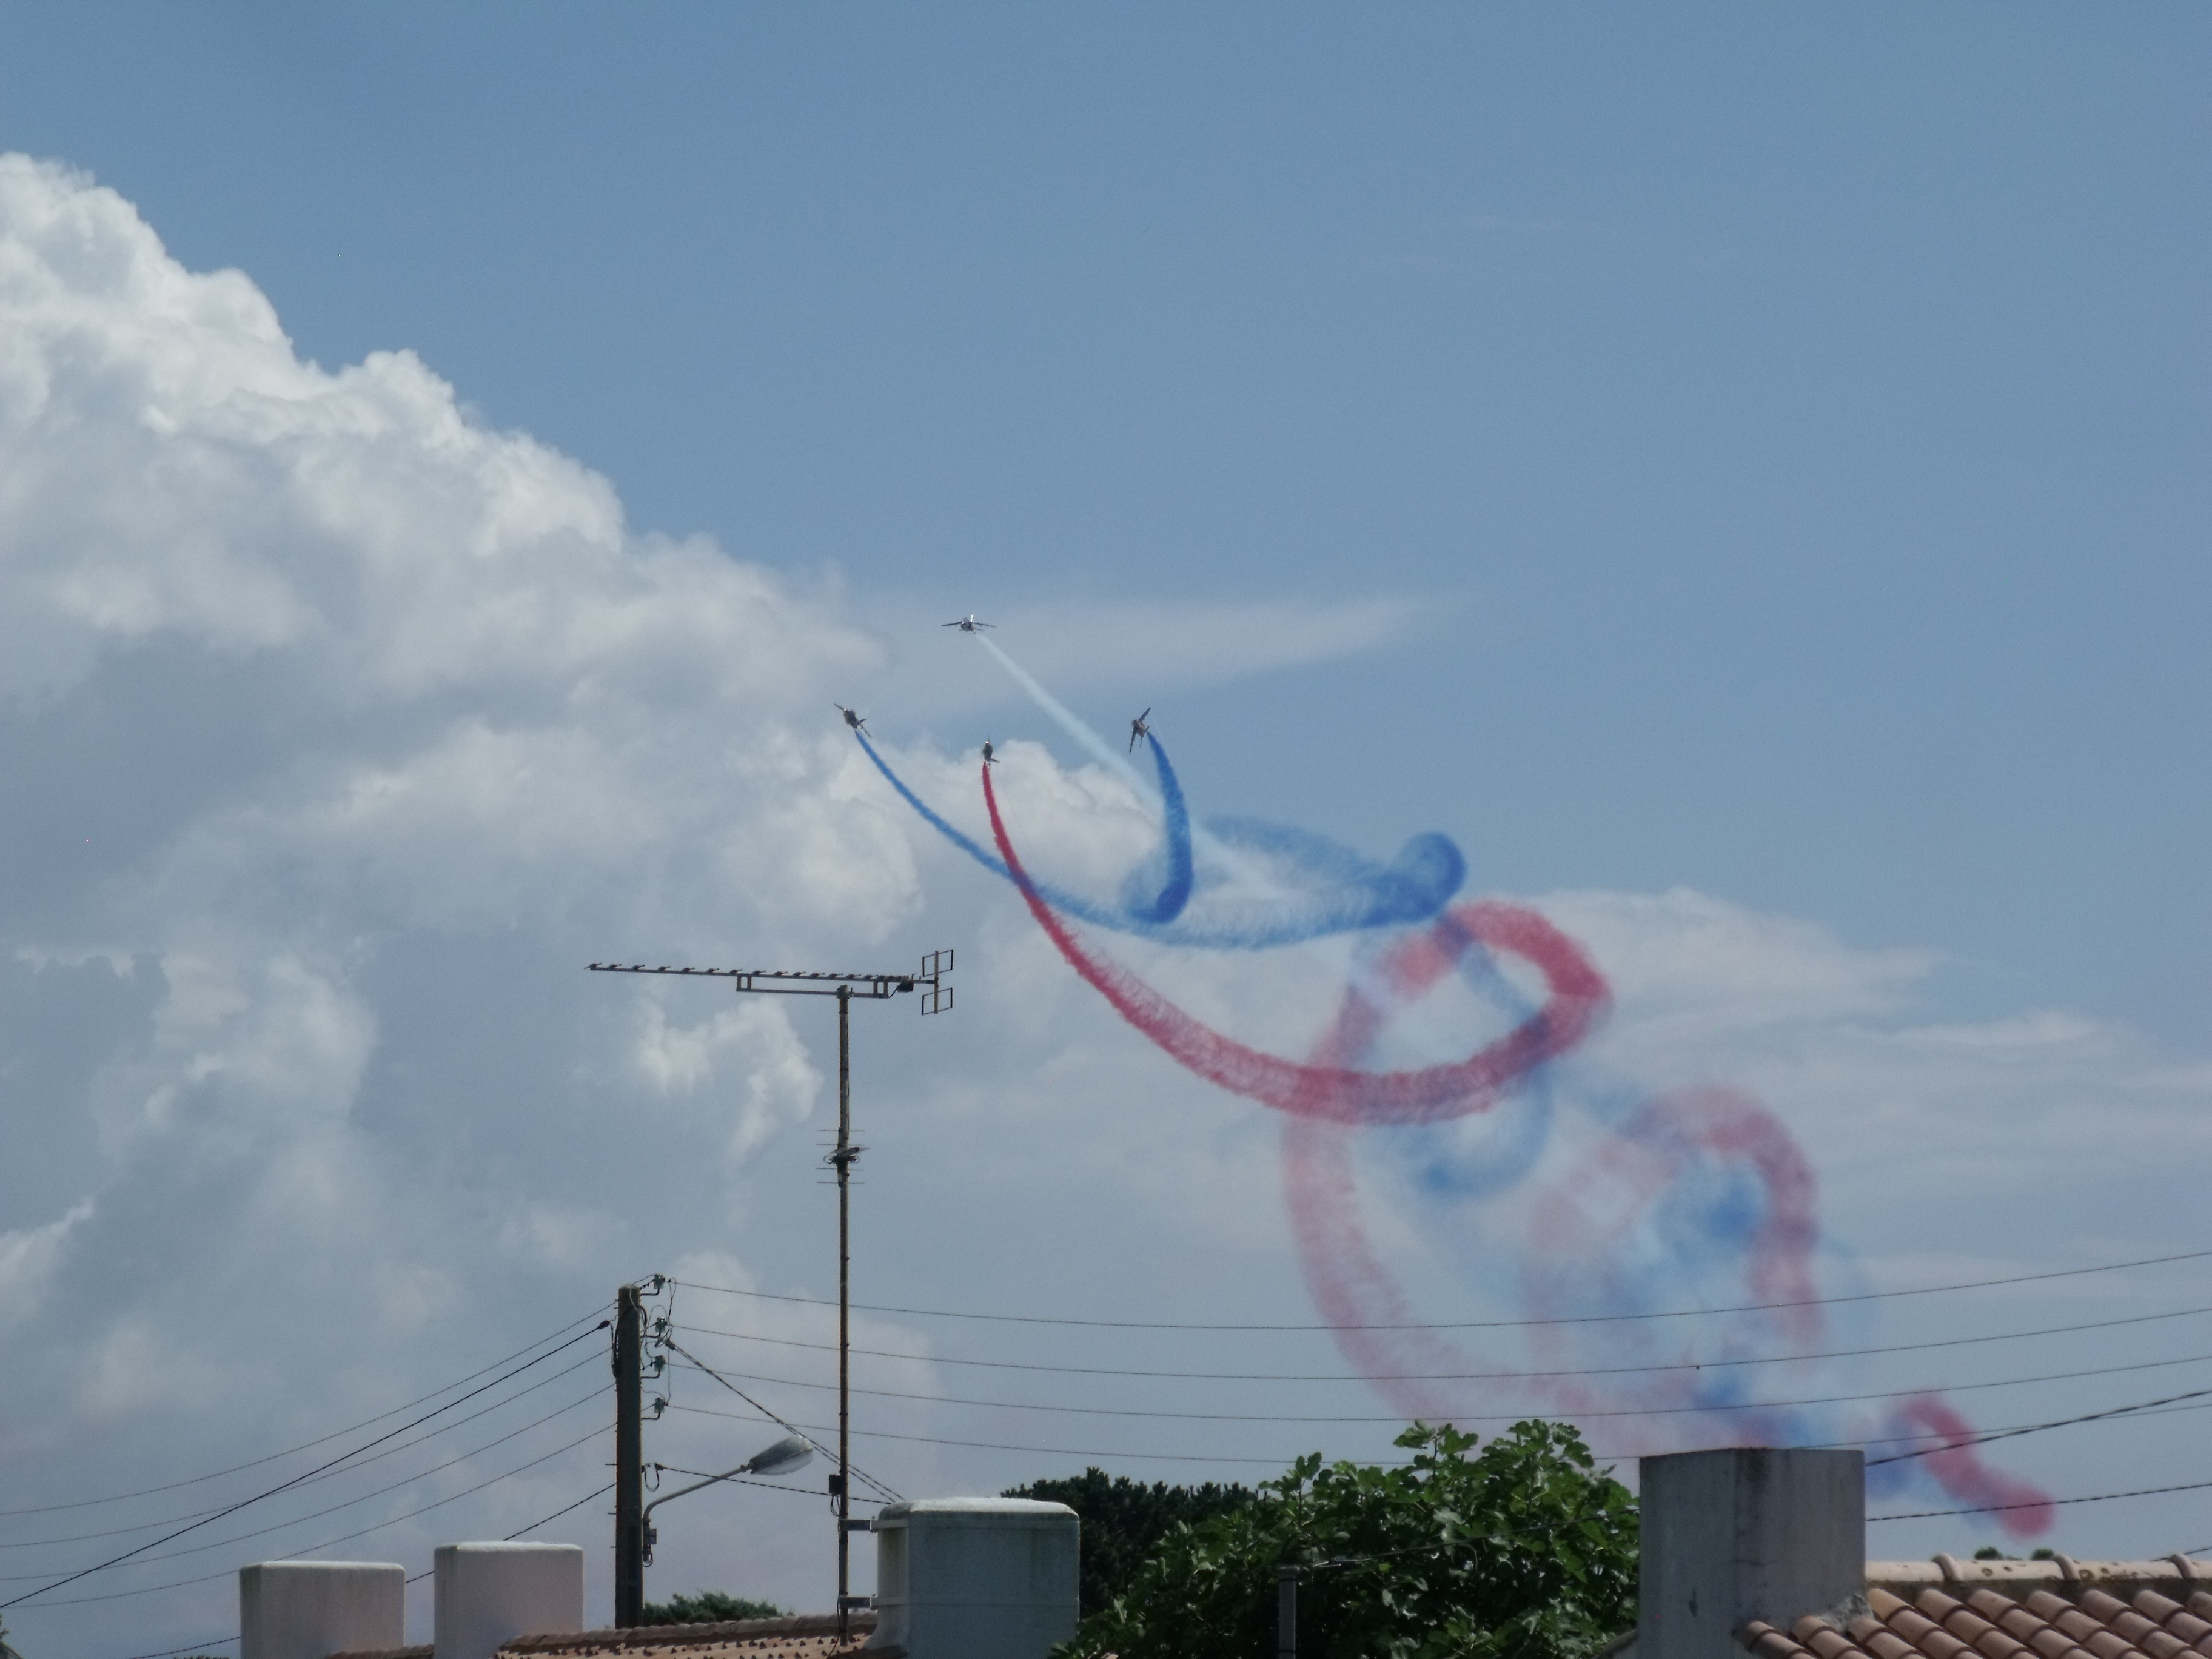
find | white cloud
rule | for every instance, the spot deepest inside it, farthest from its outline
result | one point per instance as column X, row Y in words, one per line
column 28, row 1256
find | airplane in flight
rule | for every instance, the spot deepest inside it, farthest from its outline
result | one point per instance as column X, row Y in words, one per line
column 968, row 624
column 989, row 759
column 857, row 721
column 1137, row 728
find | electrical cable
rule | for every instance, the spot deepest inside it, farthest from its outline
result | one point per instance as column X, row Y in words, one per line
column 1067, row 1451
column 1468, row 1325
column 1757, row 1405
column 316, row 1515
column 1991, row 1508
column 1984, row 1437
column 305, row 1445
column 377, row 1457
column 666, row 1340
column 287, row 1485
column 346, row 1538
column 194, row 1647
column 742, row 1481
column 2145, row 1408
column 558, row 1513
column 1284, row 1463
column 1602, row 1456
column 1463, row 1376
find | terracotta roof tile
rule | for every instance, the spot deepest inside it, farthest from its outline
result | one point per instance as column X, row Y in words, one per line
column 804, row 1636
column 2056, row 1609
column 1877, row 1639
column 1824, row 1639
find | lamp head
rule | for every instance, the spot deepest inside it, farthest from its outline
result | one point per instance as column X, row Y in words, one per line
column 791, row 1452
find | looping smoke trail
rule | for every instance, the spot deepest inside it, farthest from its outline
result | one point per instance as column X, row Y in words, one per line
column 1317, row 887
column 1578, row 998
column 1694, row 1184
column 1181, row 867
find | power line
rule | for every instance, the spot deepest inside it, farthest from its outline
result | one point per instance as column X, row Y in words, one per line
column 1466, row 1325
column 345, row 1538
column 742, row 1481
column 1982, row 1439
column 193, row 1647
column 1464, row 1377
column 1392, row 1417
column 360, row 1463
column 305, row 1445
column 316, row 1515
column 1992, row 1509
column 558, row 1513
column 843, row 1464
column 287, row 1485
column 1041, row 1451
column 1284, row 1463
column 1724, row 1405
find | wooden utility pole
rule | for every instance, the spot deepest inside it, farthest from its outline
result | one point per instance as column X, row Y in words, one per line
column 629, row 1458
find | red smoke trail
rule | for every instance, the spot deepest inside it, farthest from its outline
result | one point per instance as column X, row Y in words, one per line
column 1643, row 1158
column 1963, row 1474
column 1579, row 997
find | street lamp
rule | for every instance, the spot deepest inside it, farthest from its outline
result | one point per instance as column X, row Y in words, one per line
column 791, row 1452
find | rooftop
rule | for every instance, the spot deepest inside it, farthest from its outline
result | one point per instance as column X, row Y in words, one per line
column 2056, row 1609
column 804, row 1636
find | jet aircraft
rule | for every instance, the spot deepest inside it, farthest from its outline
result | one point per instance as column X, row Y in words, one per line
column 966, row 624
column 857, row 721
column 1137, row 728
column 989, row 759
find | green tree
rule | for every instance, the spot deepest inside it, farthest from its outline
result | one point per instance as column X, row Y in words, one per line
column 1124, row 1520
column 709, row 1607
column 1522, row 1549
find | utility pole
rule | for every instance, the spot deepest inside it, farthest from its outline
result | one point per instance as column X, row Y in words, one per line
column 629, row 1458
column 1287, row 1612
column 937, row 998
column 843, row 1159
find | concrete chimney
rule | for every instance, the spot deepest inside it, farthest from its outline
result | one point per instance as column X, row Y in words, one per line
column 1742, row 1533
column 310, row 1610
column 490, row 1593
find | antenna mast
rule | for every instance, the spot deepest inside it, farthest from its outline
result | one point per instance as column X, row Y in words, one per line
column 937, row 998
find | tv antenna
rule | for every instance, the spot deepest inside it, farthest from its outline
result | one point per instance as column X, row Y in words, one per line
column 936, row 999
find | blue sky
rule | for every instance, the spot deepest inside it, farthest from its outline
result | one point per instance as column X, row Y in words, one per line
column 1739, row 471
column 1798, row 414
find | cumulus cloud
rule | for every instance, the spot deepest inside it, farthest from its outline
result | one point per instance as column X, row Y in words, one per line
column 341, row 731
column 28, row 1256
column 333, row 717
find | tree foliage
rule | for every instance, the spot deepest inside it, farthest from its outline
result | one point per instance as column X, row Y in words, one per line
column 708, row 1608
column 1124, row 1520
column 1522, row 1549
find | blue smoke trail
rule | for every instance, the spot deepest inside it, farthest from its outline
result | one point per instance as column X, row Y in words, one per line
column 1331, row 888
column 1183, row 870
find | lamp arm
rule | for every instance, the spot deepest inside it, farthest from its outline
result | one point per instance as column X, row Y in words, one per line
column 699, row 1486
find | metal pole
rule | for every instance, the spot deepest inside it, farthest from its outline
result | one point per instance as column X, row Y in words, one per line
column 629, row 1458
column 805, row 982
column 844, row 1304
column 1286, row 1612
